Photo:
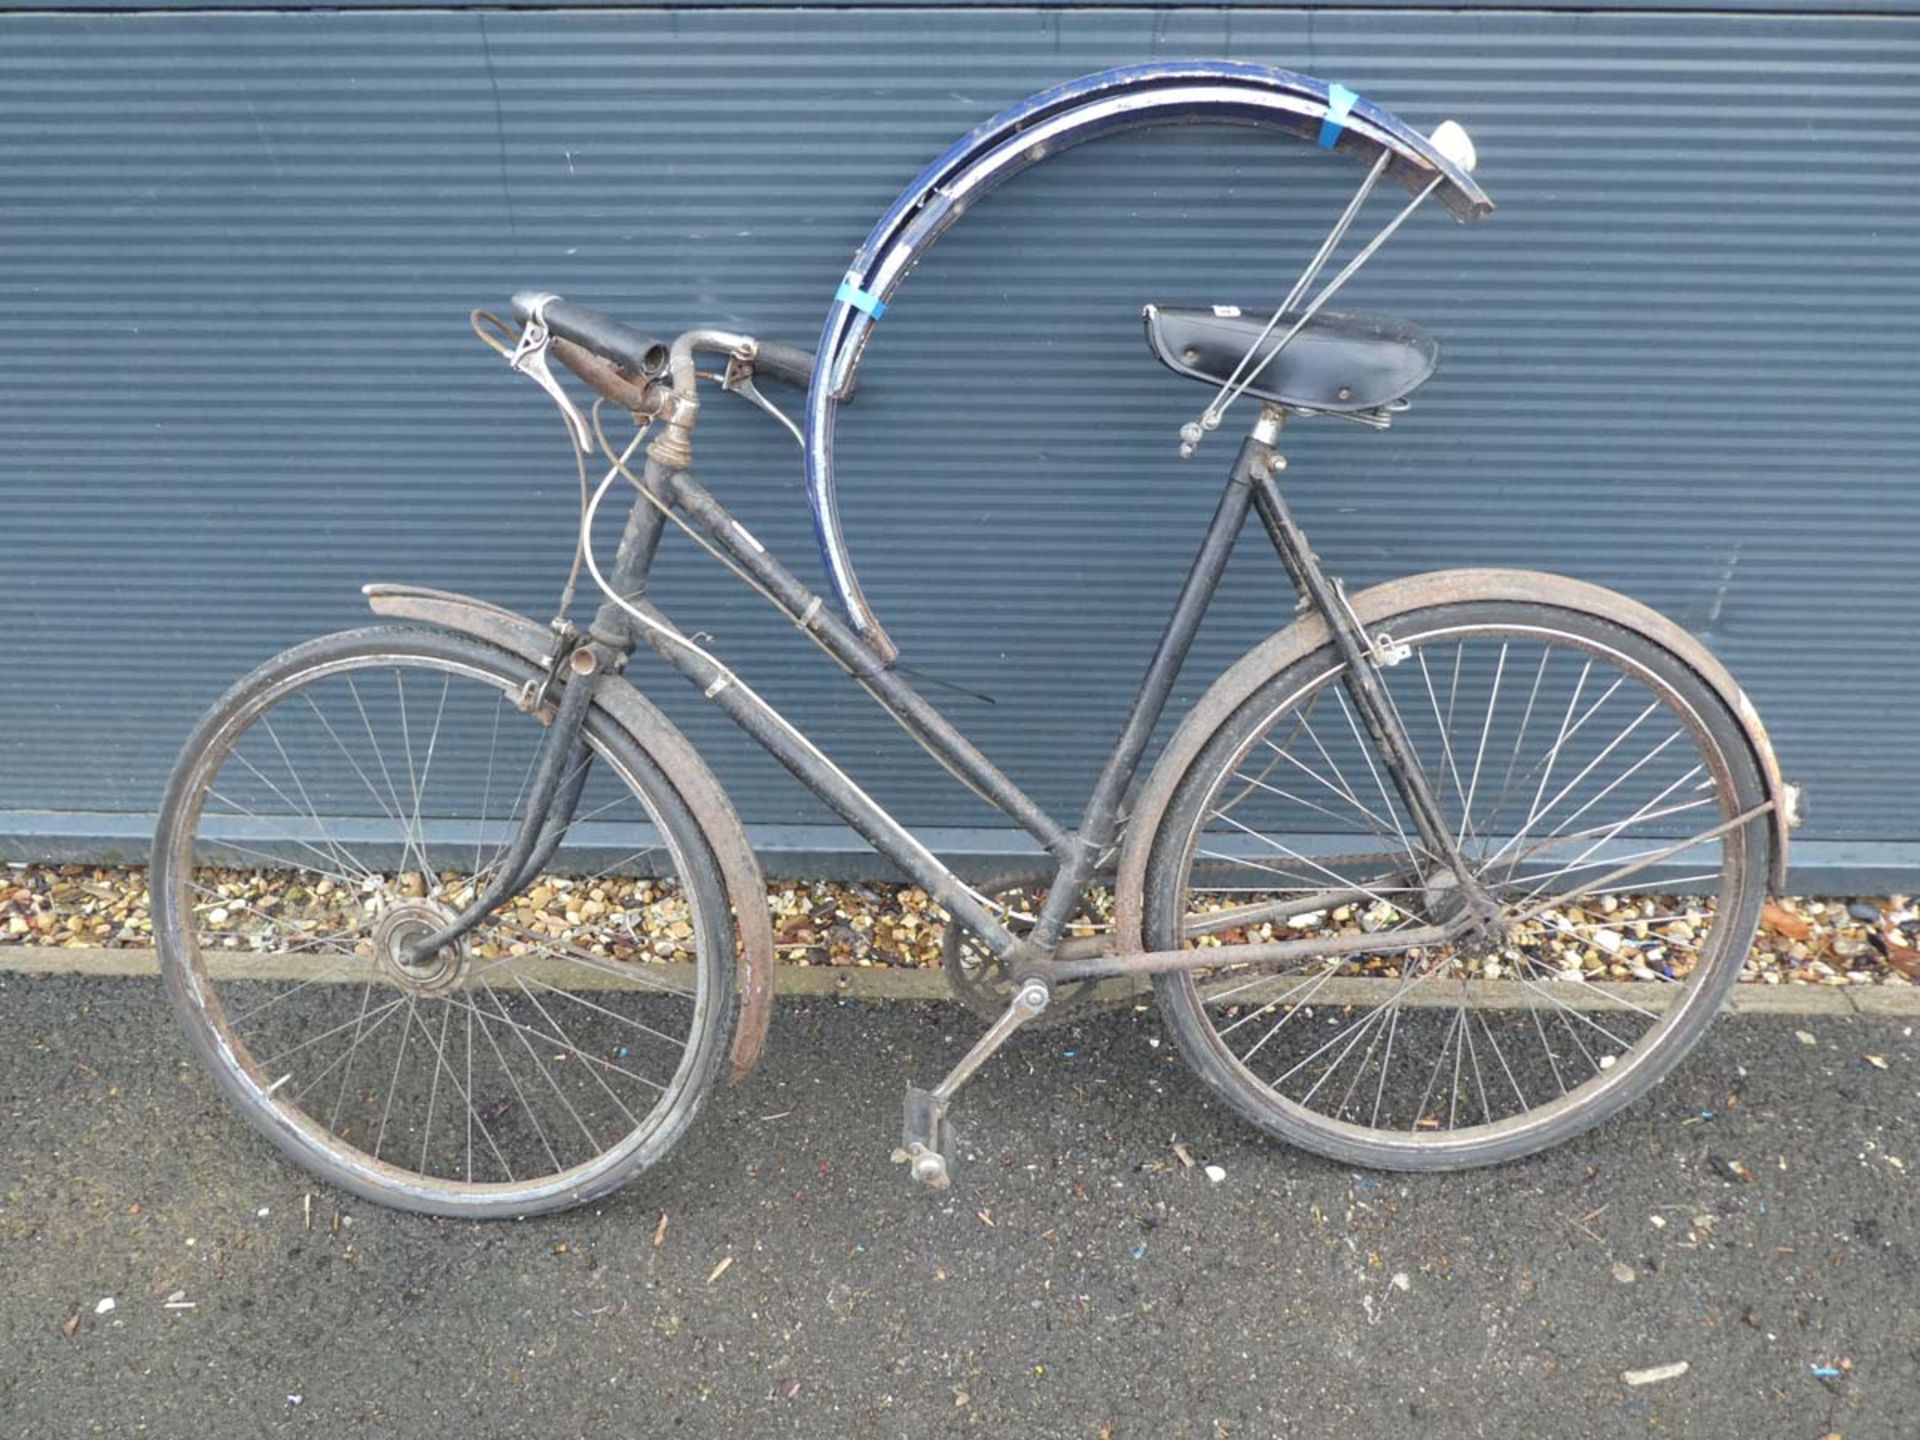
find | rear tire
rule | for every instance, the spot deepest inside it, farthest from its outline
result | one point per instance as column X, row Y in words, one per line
column 1557, row 1020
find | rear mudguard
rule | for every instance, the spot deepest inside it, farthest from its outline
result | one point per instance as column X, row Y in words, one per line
column 1378, row 606
column 663, row 743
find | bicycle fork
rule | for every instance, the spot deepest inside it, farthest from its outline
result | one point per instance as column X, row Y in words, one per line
column 561, row 766
column 559, row 776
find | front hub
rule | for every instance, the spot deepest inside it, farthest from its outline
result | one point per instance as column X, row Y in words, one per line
column 405, row 926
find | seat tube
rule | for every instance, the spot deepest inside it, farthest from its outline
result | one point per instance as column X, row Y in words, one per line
column 1098, row 825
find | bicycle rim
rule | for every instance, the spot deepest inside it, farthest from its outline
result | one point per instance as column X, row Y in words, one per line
column 1590, row 783
column 354, row 795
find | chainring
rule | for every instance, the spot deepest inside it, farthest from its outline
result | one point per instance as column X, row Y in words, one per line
column 977, row 979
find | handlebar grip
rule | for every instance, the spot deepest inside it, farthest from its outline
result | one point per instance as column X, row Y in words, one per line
column 790, row 363
column 632, row 350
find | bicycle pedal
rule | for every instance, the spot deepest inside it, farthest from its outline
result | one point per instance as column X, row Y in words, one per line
column 923, row 1136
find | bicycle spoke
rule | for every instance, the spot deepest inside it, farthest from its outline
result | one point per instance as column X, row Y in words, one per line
column 339, row 876
column 1446, row 739
column 546, row 1015
column 393, row 1085
column 581, row 1000
column 360, row 1033
column 380, row 758
column 1480, row 749
column 1608, row 835
column 433, row 1090
column 1310, row 864
column 540, row 1068
column 1588, row 768
column 499, row 1061
column 333, row 850
column 1343, row 789
column 573, row 955
column 1386, row 800
column 1519, row 742
column 413, row 779
column 513, row 1080
column 359, row 1030
column 487, row 1017
column 465, row 1093
column 1563, row 740
column 274, row 1060
column 347, row 755
column 1288, row 795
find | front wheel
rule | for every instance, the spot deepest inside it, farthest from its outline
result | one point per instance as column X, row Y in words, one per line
column 1595, row 785
column 354, row 794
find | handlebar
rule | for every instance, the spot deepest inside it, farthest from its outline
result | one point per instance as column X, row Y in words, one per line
column 790, row 363
column 639, row 355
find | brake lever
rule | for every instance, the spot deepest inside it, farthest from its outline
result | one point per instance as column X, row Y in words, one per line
column 739, row 380
column 529, row 358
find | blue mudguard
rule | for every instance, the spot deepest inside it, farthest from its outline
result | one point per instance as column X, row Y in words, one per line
column 1131, row 97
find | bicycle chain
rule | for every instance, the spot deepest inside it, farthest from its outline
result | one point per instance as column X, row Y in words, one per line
column 978, row 981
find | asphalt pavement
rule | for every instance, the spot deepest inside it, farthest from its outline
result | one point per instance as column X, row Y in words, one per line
column 1755, row 1220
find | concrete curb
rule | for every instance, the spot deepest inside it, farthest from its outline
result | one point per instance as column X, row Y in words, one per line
column 885, row 983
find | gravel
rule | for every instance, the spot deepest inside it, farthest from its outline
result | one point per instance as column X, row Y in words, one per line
column 1833, row 941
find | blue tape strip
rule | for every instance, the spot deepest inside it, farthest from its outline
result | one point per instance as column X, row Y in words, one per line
column 1339, row 106
column 861, row 299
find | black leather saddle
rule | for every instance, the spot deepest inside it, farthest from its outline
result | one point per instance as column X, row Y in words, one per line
column 1336, row 363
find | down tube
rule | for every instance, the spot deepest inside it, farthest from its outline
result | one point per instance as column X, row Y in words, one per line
column 814, row 770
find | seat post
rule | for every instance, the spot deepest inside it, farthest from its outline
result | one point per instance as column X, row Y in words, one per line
column 1266, row 431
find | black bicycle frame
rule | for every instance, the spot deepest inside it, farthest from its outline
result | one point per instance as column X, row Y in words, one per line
column 615, row 633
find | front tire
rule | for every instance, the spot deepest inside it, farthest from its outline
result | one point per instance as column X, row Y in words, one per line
column 351, row 794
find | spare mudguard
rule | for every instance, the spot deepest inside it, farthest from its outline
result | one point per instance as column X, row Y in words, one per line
column 1177, row 92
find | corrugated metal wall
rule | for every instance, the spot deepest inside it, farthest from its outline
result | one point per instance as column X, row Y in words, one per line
column 236, row 251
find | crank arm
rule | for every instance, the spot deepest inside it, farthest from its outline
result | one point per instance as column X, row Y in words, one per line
column 924, row 1127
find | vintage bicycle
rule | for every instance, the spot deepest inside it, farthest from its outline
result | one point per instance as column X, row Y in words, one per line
column 1441, row 873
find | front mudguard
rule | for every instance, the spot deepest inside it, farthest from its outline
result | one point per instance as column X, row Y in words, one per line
column 668, row 748
column 1378, row 606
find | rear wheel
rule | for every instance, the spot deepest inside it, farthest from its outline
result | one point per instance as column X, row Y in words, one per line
column 1594, row 783
column 352, row 795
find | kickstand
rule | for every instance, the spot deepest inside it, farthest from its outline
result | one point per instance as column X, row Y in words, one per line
column 923, row 1131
